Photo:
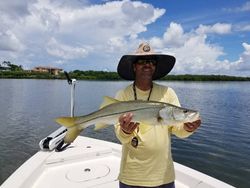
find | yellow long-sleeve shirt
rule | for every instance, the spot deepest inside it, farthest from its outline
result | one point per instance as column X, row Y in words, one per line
column 150, row 163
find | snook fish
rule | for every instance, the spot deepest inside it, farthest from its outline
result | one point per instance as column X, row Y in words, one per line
column 147, row 112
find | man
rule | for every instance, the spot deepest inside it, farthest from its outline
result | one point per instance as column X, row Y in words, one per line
column 146, row 150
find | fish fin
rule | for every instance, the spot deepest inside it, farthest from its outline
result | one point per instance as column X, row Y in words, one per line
column 66, row 121
column 71, row 134
column 99, row 126
column 107, row 101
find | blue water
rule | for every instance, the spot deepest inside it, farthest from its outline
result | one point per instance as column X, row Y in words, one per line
column 220, row 148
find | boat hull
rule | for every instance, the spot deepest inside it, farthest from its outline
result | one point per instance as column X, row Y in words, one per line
column 89, row 162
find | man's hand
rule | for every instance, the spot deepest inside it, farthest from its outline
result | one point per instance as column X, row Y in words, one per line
column 126, row 125
column 192, row 126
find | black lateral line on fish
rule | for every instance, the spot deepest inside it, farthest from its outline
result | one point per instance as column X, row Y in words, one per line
column 113, row 114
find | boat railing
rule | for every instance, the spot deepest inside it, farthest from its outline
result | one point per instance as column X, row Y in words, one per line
column 55, row 141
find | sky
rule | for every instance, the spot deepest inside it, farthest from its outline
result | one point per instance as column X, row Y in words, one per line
column 206, row 37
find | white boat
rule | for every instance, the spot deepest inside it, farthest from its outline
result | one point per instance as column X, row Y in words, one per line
column 86, row 163
column 89, row 162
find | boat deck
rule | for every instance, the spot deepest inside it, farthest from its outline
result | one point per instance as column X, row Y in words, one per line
column 90, row 163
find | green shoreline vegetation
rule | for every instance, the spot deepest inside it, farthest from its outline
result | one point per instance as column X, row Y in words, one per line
column 16, row 72
column 103, row 75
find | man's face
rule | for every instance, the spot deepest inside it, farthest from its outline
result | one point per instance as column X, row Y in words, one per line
column 144, row 69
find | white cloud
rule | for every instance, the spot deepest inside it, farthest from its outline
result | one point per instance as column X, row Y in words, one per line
column 15, row 8
column 174, row 35
column 59, row 62
column 113, row 19
column 218, row 28
column 195, row 55
column 244, row 8
column 243, row 64
column 63, row 51
column 140, row 12
column 80, row 35
column 242, row 27
column 9, row 42
column 116, row 43
column 106, row 27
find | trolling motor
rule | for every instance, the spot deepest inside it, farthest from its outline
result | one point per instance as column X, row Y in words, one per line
column 56, row 139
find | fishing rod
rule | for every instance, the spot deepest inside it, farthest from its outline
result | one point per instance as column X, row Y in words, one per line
column 55, row 141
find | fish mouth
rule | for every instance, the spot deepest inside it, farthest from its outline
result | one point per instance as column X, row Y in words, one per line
column 193, row 116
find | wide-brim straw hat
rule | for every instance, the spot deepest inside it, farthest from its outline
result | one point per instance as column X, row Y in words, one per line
column 164, row 65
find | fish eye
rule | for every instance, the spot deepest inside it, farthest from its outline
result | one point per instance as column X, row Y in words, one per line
column 185, row 111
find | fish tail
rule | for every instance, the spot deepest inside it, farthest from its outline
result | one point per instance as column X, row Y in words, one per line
column 71, row 134
column 72, row 128
column 67, row 122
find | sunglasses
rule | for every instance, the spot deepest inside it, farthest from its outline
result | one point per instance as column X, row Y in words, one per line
column 146, row 61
